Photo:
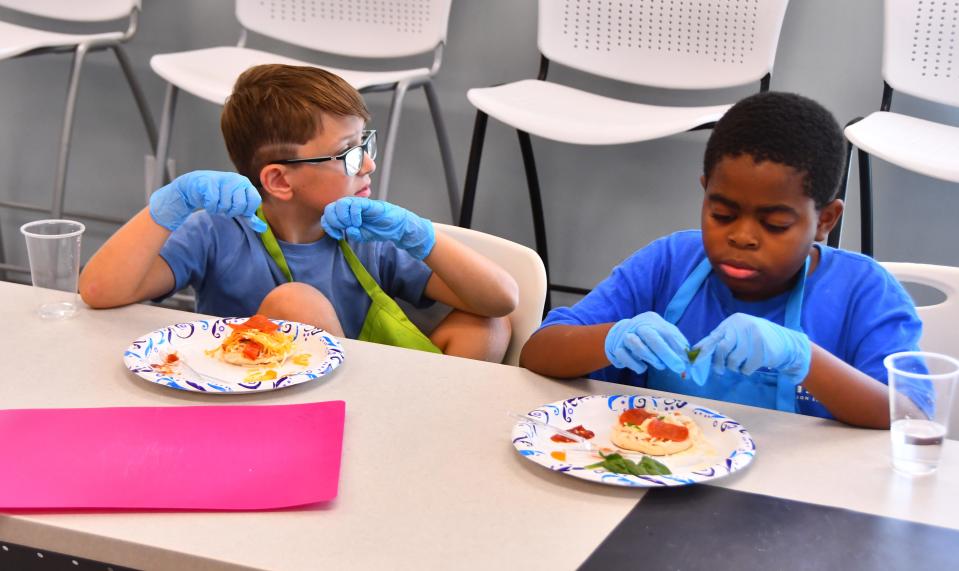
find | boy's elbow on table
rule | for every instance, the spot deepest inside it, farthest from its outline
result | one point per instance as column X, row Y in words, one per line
column 99, row 293
column 92, row 294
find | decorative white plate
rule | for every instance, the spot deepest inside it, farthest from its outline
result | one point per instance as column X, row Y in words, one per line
column 724, row 447
column 146, row 355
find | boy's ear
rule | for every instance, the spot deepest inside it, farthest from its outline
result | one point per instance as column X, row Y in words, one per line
column 702, row 181
column 275, row 183
column 828, row 217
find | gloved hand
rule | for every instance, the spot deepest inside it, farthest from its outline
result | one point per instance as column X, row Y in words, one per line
column 366, row 220
column 647, row 340
column 744, row 343
column 225, row 193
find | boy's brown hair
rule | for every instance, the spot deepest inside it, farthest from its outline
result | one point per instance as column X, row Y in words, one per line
column 274, row 107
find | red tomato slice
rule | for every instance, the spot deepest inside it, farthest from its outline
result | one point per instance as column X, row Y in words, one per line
column 666, row 431
column 634, row 416
column 262, row 323
column 252, row 349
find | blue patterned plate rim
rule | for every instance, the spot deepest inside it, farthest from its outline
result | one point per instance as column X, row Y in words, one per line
column 725, row 447
column 194, row 337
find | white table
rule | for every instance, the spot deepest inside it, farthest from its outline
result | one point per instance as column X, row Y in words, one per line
column 429, row 477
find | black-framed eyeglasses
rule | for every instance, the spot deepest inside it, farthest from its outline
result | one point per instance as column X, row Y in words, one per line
column 352, row 158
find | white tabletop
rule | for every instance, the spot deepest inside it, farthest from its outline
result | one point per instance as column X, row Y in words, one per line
column 429, row 477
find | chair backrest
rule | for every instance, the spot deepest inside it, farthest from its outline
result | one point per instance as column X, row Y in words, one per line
column 938, row 320
column 527, row 269
column 356, row 28
column 920, row 49
column 680, row 44
column 74, row 10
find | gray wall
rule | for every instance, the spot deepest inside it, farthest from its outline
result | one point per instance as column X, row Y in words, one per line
column 601, row 202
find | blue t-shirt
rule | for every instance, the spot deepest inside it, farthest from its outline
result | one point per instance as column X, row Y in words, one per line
column 852, row 307
column 231, row 271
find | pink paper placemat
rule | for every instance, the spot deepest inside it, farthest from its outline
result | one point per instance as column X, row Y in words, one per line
column 192, row 457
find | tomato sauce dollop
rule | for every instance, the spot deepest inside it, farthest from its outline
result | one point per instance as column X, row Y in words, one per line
column 577, row 430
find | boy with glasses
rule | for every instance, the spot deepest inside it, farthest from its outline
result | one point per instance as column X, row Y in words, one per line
column 303, row 242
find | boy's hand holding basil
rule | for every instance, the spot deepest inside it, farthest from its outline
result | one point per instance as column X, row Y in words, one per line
column 647, row 340
column 745, row 343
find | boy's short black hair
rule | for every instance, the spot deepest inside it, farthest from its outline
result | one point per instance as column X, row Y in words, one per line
column 784, row 128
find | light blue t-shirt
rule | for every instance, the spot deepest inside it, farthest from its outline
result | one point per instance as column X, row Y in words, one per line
column 228, row 266
column 852, row 307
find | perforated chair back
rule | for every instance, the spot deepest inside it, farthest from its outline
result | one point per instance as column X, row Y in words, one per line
column 527, row 269
column 74, row 11
column 356, row 28
column 920, row 54
column 682, row 44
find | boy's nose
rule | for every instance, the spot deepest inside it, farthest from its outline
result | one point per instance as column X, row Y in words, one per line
column 369, row 165
column 742, row 238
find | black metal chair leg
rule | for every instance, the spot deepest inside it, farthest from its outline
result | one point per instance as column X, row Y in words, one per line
column 472, row 170
column 836, row 234
column 536, row 205
column 865, row 203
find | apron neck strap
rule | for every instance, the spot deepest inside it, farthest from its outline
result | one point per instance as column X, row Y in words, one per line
column 362, row 275
column 686, row 291
column 793, row 318
column 677, row 305
column 273, row 247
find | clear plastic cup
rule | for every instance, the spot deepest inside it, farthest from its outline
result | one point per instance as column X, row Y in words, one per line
column 53, row 247
column 922, row 387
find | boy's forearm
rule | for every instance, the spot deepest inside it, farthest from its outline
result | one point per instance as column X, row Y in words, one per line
column 567, row 351
column 849, row 394
column 481, row 286
column 117, row 272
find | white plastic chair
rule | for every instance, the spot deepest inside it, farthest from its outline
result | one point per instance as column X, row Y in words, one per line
column 369, row 29
column 920, row 57
column 527, row 269
column 694, row 44
column 17, row 41
column 938, row 320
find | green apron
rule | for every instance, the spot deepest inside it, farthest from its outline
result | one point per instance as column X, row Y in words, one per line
column 385, row 322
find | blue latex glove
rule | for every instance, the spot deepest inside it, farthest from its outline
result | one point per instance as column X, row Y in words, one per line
column 365, row 220
column 647, row 340
column 744, row 343
column 225, row 193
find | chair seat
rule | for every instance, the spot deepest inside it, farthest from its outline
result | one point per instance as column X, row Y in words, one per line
column 916, row 144
column 211, row 72
column 17, row 40
column 562, row 113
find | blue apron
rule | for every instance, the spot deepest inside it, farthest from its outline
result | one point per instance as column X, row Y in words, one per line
column 764, row 388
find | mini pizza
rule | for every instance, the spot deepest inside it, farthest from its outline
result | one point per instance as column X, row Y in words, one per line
column 256, row 341
column 654, row 433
